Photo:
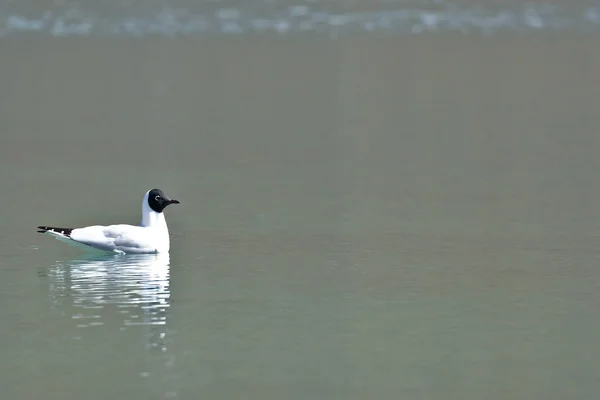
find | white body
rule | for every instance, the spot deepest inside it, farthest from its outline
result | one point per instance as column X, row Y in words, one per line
column 152, row 236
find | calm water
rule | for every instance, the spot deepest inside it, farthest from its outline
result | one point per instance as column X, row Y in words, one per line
column 403, row 217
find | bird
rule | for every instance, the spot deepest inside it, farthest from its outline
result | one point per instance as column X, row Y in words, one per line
column 151, row 236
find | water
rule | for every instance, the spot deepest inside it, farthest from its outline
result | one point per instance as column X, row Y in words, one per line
column 330, row 18
column 366, row 217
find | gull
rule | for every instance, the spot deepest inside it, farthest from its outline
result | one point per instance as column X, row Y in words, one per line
column 152, row 236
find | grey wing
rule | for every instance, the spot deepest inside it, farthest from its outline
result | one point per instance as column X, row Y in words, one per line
column 125, row 238
column 94, row 236
column 131, row 239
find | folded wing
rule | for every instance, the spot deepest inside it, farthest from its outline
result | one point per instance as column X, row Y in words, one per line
column 125, row 238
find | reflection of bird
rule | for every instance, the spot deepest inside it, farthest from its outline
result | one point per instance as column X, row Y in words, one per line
column 137, row 285
column 152, row 236
column 118, row 298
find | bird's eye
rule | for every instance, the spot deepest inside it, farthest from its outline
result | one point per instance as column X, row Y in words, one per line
column 157, row 198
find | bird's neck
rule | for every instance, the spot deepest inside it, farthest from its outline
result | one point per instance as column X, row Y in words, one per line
column 153, row 219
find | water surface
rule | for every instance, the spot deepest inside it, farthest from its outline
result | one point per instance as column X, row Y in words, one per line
column 406, row 217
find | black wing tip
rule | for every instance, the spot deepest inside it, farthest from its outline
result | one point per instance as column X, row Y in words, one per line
column 62, row 231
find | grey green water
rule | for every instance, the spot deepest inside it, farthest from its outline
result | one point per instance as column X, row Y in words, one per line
column 362, row 218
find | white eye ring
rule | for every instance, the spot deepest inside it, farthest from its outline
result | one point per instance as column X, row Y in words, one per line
column 157, row 198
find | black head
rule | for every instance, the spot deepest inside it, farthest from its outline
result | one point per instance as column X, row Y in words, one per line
column 157, row 200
